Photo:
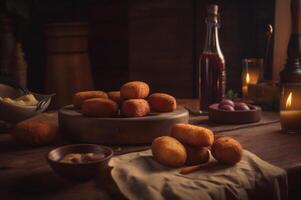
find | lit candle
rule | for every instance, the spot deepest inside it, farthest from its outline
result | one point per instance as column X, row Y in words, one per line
column 245, row 86
column 290, row 118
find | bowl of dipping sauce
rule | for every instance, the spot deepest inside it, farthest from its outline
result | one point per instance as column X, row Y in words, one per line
column 80, row 161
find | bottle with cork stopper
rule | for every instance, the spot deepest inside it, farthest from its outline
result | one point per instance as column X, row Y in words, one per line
column 212, row 73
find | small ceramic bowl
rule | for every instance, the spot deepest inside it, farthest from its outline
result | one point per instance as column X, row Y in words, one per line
column 234, row 117
column 80, row 171
column 16, row 113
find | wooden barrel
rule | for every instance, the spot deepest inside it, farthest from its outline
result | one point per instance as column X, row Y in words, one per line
column 7, row 46
column 68, row 66
column 19, row 66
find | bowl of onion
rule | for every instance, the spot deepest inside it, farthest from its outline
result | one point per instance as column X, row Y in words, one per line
column 230, row 112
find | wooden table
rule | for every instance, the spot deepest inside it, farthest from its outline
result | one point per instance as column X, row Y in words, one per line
column 24, row 173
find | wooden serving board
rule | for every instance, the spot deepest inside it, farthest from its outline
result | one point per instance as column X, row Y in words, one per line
column 118, row 130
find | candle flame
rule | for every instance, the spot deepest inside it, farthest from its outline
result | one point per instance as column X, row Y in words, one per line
column 248, row 78
column 289, row 100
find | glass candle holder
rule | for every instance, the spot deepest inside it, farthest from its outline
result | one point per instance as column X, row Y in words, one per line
column 290, row 107
column 252, row 69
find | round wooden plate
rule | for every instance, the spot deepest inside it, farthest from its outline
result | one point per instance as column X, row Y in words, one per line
column 117, row 130
column 234, row 117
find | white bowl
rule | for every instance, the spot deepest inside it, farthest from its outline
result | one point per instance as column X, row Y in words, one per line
column 16, row 113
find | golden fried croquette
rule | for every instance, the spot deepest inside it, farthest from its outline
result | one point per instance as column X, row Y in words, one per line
column 192, row 135
column 196, row 155
column 80, row 97
column 99, row 107
column 134, row 90
column 168, row 151
column 135, row 108
column 115, row 96
column 161, row 102
column 227, row 150
column 35, row 132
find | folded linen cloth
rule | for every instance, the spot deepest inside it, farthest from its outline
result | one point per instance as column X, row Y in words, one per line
column 139, row 177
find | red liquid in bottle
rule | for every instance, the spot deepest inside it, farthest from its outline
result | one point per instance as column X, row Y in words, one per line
column 212, row 79
column 212, row 73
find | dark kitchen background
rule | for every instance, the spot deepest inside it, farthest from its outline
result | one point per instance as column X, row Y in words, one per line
column 158, row 41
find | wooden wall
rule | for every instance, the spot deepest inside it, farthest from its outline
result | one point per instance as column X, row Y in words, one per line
column 161, row 44
column 109, row 44
column 158, row 41
column 282, row 34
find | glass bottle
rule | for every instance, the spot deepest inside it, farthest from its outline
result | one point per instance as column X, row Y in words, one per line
column 212, row 74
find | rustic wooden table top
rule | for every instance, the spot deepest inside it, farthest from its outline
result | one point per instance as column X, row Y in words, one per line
column 25, row 174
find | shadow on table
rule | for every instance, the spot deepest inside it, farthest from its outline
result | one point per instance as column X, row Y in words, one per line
column 224, row 127
column 41, row 183
column 47, row 185
column 106, row 182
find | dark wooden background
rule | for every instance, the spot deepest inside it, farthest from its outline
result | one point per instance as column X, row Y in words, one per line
column 157, row 41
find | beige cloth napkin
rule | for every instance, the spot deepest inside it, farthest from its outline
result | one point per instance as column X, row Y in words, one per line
column 139, row 177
